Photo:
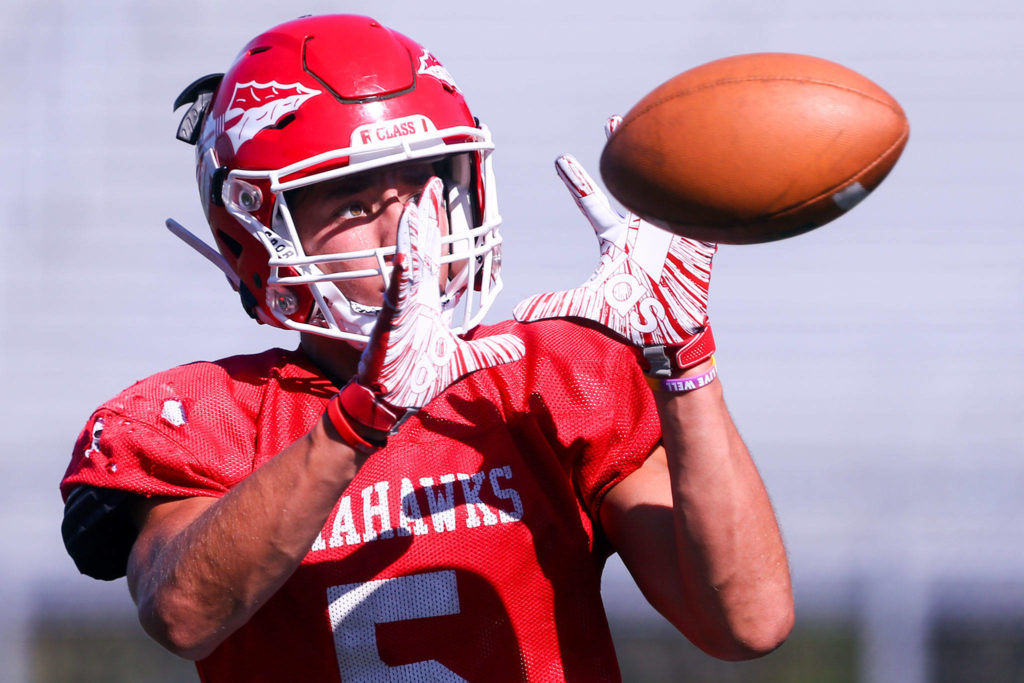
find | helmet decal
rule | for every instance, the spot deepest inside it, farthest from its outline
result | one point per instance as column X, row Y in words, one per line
column 385, row 131
column 429, row 66
column 262, row 106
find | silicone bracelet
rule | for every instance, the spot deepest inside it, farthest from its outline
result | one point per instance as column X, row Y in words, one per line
column 682, row 385
column 341, row 424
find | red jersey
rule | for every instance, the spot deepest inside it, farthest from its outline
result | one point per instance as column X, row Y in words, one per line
column 468, row 549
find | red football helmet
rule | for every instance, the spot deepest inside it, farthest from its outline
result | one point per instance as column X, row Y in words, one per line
column 312, row 100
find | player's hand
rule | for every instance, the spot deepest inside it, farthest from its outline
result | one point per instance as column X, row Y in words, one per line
column 650, row 287
column 413, row 355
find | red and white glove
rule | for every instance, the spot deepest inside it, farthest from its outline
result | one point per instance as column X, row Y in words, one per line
column 413, row 355
column 651, row 286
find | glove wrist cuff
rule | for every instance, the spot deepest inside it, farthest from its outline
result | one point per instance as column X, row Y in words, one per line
column 669, row 361
column 343, row 426
column 364, row 408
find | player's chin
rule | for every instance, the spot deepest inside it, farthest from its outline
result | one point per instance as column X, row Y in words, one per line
column 364, row 297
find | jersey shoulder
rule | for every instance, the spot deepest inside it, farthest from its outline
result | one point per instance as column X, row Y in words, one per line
column 189, row 430
column 193, row 430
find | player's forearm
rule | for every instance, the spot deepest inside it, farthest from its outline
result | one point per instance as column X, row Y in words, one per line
column 732, row 556
column 199, row 575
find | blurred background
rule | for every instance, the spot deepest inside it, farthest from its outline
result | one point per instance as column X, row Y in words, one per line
column 874, row 366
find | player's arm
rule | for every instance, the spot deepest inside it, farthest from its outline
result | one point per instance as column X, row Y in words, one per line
column 201, row 567
column 724, row 581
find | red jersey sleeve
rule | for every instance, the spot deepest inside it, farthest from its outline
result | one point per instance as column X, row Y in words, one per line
column 189, row 431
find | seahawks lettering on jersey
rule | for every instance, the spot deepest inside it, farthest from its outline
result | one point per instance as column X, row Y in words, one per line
column 457, row 500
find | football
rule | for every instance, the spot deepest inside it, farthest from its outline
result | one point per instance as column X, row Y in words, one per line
column 754, row 148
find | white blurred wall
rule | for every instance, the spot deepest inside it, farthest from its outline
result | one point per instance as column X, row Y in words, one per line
column 874, row 366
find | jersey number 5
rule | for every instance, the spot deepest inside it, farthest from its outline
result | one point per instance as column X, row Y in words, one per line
column 356, row 608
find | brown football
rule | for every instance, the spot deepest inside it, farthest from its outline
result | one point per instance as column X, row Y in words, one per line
column 754, row 148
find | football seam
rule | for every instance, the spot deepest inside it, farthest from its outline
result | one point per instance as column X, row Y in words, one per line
column 634, row 116
column 832, row 190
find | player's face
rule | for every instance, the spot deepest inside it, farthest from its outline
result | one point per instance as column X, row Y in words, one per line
column 357, row 213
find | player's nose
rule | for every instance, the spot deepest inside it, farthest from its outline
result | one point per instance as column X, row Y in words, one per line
column 392, row 204
column 396, row 193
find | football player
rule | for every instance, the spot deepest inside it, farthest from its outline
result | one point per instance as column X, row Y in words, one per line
column 410, row 495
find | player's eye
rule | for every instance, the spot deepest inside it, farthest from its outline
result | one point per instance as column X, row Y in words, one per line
column 354, row 210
